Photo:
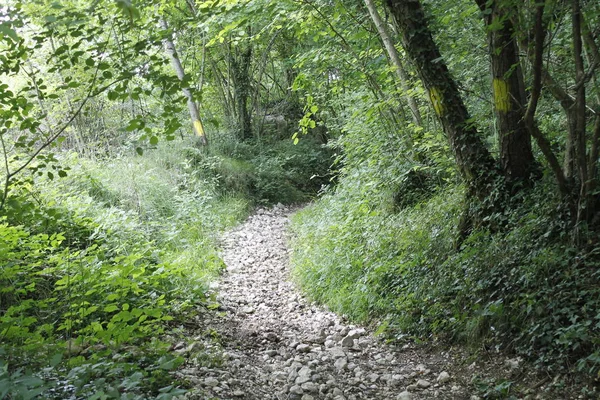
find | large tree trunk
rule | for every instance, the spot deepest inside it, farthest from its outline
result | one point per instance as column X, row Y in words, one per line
column 395, row 60
column 475, row 163
column 192, row 107
column 510, row 100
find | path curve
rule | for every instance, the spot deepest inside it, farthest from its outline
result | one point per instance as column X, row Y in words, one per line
column 277, row 345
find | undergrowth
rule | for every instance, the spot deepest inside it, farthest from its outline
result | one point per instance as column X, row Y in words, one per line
column 381, row 247
column 98, row 267
column 266, row 172
column 527, row 289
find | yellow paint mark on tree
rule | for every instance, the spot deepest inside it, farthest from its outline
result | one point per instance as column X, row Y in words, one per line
column 437, row 100
column 501, row 95
column 199, row 128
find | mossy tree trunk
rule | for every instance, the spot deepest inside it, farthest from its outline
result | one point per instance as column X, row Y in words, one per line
column 475, row 163
column 510, row 100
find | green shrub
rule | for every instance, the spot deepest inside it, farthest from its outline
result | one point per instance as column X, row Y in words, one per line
column 96, row 266
column 267, row 173
column 526, row 289
column 359, row 260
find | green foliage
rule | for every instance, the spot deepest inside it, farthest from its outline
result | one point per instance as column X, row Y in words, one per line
column 99, row 267
column 363, row 261
column 266, row 173
column 526, row 289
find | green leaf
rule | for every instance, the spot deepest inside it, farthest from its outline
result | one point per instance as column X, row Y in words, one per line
column 154, row 140
column 139, row 150
column 56, row 359
column 7, row 31
column 111, row 308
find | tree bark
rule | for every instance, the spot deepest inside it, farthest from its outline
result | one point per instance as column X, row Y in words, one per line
column 192, row 106
column 594, row 59
column 516, row 157
column 475, row 163
column 578, row 134
column 539, row 34
column 240, row 73
column 403, row 77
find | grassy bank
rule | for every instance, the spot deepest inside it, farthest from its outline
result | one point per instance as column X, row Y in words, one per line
column 99, row 266
column 525, row 290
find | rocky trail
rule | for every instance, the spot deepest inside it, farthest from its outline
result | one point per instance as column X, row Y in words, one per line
column 274, row 344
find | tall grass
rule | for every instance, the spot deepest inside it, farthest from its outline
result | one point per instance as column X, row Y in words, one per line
column 526, row 288
column 117, row 250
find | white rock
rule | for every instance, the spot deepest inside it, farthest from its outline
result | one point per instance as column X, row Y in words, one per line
column 296, row 390
column 404, row 396
column 341, row 364
column 423, row 384
column 347, row 341
column 303, row 375
column 443, row 377
column 303, row 348
column 310, row 387
column 337, row 352
column 356, row 333
column 211, row 382
column 512, row 363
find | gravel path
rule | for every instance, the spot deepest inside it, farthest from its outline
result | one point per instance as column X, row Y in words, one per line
column 277, row 345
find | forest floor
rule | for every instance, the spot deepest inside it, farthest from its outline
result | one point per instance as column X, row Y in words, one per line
column 269, row 342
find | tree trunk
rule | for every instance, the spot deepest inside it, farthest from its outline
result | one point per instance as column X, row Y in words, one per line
column 578, row 134
column 395, row 60
column 240, row 73
column 192, row 107
column 510, row 102
column 475, row 163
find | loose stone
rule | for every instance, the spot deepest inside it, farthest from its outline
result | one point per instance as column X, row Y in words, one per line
column 443, row 377
column 423, row 384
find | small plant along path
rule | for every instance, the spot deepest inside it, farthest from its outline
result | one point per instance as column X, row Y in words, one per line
column 277, row 345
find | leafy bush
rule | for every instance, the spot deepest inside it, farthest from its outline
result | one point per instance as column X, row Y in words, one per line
column 95, row 268
column 267, row 173
column 526, row 289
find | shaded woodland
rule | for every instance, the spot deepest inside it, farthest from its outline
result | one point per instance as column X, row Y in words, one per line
column 448, row 152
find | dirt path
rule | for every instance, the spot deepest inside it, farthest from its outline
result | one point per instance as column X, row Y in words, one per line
column 279, row 346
